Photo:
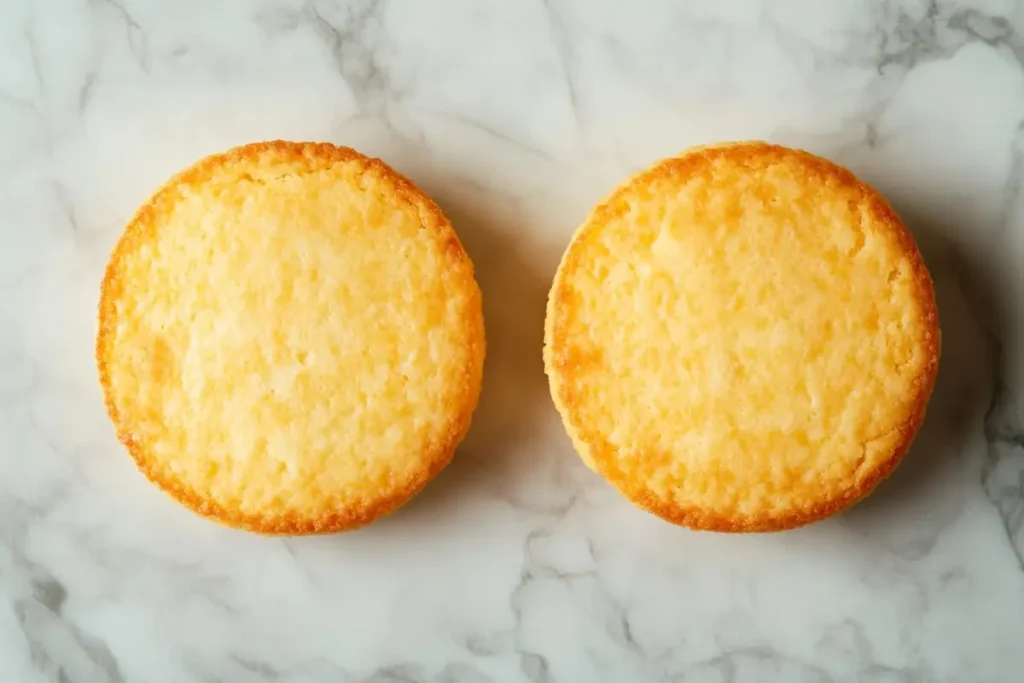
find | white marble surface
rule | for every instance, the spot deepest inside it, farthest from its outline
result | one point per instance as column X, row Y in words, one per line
column 516, row 564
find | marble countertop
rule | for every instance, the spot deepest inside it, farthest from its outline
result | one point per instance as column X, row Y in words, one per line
column 516, row 564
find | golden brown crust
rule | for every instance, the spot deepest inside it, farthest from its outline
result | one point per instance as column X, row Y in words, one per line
column 562, row 362
column 311, row 157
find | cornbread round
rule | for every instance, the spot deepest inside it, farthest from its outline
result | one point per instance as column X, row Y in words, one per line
column 291, row 338
column 742, row 338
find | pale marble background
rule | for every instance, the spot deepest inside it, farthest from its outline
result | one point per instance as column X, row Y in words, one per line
column 516, row 564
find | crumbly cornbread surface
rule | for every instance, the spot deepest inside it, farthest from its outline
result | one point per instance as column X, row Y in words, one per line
column 291, row 338
column 742, row 338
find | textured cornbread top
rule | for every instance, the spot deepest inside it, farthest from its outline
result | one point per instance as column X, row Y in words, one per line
column 742, row 338
column 291, row 338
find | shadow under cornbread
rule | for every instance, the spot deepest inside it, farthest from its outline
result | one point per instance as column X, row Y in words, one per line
column 960, row 396
column 514, row 395
column 515, row 400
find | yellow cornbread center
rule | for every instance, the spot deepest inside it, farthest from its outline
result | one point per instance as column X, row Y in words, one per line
column 292, row 337
column 739, row 335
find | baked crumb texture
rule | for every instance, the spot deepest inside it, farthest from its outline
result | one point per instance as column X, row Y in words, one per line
column 742, row 338
column 290, row 338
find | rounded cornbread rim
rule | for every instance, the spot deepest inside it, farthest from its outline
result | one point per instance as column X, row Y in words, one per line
column 309, row 157
column 560, row 363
